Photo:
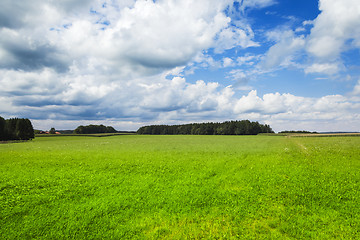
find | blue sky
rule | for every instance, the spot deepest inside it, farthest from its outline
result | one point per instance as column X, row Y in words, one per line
column 291, row 64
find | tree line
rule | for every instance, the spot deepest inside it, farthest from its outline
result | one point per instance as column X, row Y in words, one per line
column 16, row 129
column 292, row 131
column 243, row 127
column 91, row 129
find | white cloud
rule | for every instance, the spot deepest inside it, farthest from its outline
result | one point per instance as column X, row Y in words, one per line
column 122, row 63
column 300, row 29
column 228, row 62
column 357, row 88
column 157, row 99
column 333, row 32
column 325, row 68
column 338, row 102
column 257, row 3
column 308, row 22
column 269, row 104
column 248, row 59
column 284, row 50
column 166, row 34
column 19, row 83
column 286, row 111
column 143, row 39
column 232, row 37
column 337, row 23
column 237, row 74
column 355, row 94
column 140, row 38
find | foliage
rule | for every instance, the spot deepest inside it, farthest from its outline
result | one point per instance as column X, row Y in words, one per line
column 52, row 131
column 16, row 129
column 244, row 127
column 180, row 187
column 66, row 131
column 90, row 129
column 3, row 130
column 36, row 131
column 292, row 131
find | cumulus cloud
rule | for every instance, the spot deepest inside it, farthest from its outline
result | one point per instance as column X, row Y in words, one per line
column 129, row 38
column 334, row 28
column 269, row 104
column 257, row 3
column 139, row 36
column 157, row 99
column 166, row 34
column 285, row 49
column 228, row 62
column 334, row 31
column 325, row 68
column 248, row 59
column 356, row 92
column 231, row 37
column 124, row 62
column 21, row 52
column 287, row 111
column 20, row 83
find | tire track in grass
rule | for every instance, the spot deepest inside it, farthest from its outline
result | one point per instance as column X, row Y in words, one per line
column 302, row 147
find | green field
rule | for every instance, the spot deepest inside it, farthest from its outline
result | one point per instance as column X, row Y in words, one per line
column 180, row 187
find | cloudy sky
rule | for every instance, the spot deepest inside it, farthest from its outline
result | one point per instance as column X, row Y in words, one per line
column 292, row 64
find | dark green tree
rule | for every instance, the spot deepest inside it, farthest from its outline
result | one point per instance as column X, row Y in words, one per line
column 91, row 129
column 52, row 131
column 20, row 129
column 11, row 129
column 2, row 129
column 30, row 133
column 243, row 127
column 16, row 129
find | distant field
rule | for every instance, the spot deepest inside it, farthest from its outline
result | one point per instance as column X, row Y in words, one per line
column 82, row 135
column 326, row 135
column 180, row 187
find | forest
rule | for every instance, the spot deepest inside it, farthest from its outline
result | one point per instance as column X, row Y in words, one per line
column 16, row 129
column 243, row 127
column 91, row 129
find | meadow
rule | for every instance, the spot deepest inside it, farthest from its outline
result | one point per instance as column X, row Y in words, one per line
column 180, row 187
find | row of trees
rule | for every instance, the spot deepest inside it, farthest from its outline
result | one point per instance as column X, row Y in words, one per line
column 243, row 127
column 90, row 129
column 16, row 129
column 292, row 131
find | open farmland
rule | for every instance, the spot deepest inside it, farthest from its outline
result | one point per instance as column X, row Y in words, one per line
column 180, row 187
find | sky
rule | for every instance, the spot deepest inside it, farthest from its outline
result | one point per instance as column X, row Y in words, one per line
column 294, row 65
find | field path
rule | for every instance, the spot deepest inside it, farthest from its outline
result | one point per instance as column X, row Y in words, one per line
column 301, row 146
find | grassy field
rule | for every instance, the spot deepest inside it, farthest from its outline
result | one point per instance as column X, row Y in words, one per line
column 83, row 135
column 180, row 187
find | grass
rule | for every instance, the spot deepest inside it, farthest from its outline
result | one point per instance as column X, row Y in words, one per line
column 83, row 135
column 180, row 187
